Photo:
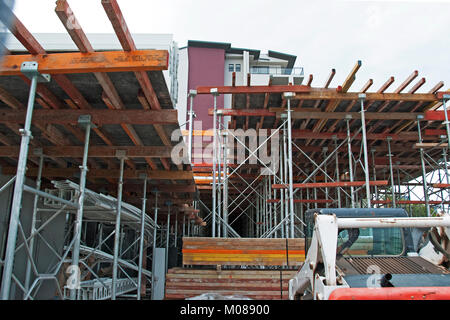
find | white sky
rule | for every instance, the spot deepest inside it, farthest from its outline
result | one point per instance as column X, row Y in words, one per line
column 392, row 38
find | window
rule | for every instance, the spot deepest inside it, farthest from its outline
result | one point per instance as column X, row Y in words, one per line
column 238, row 67
column 260, row 69
column 372, row 241
column 231, row 67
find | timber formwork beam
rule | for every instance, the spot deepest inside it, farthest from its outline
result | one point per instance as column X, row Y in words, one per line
column 99, row 117
column 332, row 184
column 94, row 152
column 77, row 62
column 105, row 173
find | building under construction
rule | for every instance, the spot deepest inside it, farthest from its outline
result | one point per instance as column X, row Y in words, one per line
column 105, row 194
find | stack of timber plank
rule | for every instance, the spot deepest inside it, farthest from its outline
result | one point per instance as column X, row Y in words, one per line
column 184, row 283
column 243, row 251
column 244, row 275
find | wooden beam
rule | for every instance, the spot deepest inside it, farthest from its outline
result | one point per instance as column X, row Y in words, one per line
column 77, row 62
column 106, row 173
column 20, row 32
column 119, row 24
column 33, row 46
column 409, row 202
column 137, row 188
column 330, row 78
column 331, row 184
column 331, row 94
column 355, row 115
column 99, row 117
column 426, row 145
column 440, row 94
column 435, row 115
column 243, row 112
column 110, row 95
column 310, row 79
column 255, row 89
column 70, row 22
column 302, row 200
column 435, row 132
column 120, row 27
column 94, row 151
column 351, row 77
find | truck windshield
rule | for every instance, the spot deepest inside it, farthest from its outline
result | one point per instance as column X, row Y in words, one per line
column 370, row 242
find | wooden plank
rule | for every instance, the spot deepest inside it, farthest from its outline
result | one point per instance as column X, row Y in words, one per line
column 258, row 295
column 308, row 134
column 302, row 201
column 232, row 273
column 99, row 117
column 105, row 173
column 94, row 151
column 110, row 95
column 409, row 202
column 135, row 187
column 78, row 62
column 231, row 251
column 120, row 27
column 440, row 94
column 331, row 94
column 354, row 115
column 441, row 185
column 242, row 112
column 254, row 89
column 436, row 115
column 331, row 184
column 430, row 145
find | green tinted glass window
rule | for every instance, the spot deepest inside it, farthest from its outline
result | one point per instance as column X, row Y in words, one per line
column 370, row 241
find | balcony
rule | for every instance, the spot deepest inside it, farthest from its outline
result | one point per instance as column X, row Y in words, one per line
column 298, row 71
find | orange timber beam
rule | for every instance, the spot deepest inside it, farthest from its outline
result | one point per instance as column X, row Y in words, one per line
column 78, row 62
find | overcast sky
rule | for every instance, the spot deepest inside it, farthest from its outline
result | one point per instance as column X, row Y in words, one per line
column 391, row 38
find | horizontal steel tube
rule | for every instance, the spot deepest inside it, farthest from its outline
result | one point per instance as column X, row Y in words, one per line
column 6, row 185
column 49, row 196
column 345, row 223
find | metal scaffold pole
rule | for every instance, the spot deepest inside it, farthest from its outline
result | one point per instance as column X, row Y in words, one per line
column 374, row 172
column 288, row 96
column 445, row 98
column 225, row 185
column 282, row 191
column 350, row 162
column 219, row 180
column 362, row 97
column 29, row 69
column 192, row 94
column 424, row 172
column 141, row 239
column 154, row 244
column 444, row 158
column 168, row 204
column 79, row 217
column 338, row 190
column 215, row 94
column 391, row 171
column 34, row 220
column 117, row 229
column 324, row 151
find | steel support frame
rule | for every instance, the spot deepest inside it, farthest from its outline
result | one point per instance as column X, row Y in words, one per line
column 29, row 69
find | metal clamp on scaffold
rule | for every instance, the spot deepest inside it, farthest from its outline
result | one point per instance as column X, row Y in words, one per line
column 30, row 70
column 214, row 92
column 85, row 120
column 121, row 154
column 192, row 93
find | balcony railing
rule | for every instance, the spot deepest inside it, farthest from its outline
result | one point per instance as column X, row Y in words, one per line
column 298, row 71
